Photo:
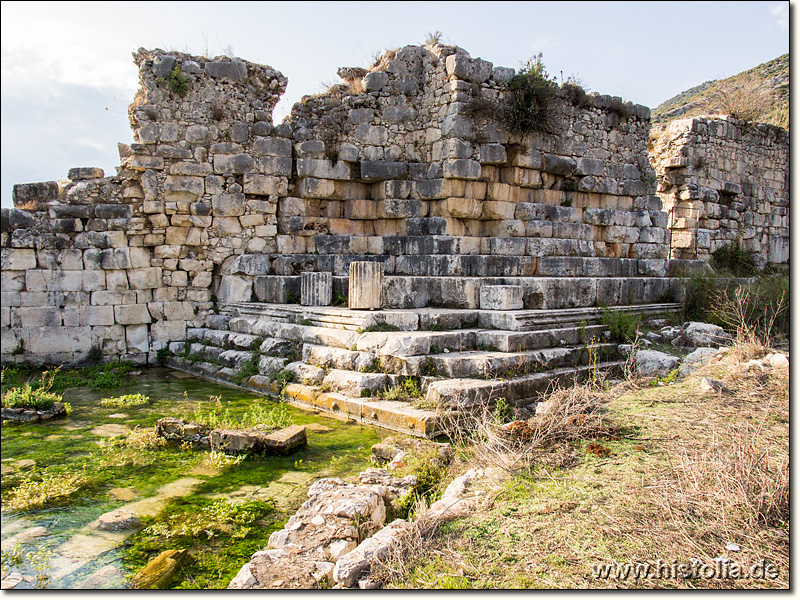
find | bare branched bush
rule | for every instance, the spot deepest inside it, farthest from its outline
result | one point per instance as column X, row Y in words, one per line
column 756, row 313
column 744, row 100
column 569, row 413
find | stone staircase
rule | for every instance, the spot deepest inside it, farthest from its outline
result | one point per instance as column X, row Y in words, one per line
column 354, row 363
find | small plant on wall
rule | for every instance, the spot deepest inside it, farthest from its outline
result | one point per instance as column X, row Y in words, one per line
column 178, row 82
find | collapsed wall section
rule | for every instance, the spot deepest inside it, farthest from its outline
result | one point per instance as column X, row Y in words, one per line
column 724, row 182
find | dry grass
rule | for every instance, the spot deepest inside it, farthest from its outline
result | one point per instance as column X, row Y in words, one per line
column 686, row 473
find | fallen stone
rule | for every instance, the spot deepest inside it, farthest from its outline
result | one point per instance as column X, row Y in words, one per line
column 696, row 359
column 700, row 335
column 118, row 520
column 712, row 385
column 652, row 363
column 777, row 360
column 238, row 441
column 349, row 568
column 158, row 573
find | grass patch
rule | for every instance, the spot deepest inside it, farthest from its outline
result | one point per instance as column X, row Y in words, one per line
column 126, row 400
column 408, row 390
column 265, row 415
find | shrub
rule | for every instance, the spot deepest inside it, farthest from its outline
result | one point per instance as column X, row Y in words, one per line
column 28, row 396
column 95, row 355
column 757, row 312
column 248, row 369
column 526, row 106
column 163, row 354
column 732, row 259
column 623, row 326
column 283, row 378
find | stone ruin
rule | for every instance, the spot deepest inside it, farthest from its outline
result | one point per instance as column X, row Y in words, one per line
column 387, row 228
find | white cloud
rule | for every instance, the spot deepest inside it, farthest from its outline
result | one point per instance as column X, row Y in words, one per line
column 89, row 143
column 781, row 13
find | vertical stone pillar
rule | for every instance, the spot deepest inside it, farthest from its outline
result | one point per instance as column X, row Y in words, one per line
column 365, row 285
column 316, row 289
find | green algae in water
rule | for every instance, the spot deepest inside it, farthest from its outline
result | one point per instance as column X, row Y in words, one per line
column 121, row 477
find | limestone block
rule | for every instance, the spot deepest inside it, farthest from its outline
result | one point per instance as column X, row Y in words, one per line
column 395, row 343
column 324, row 169
column 375, row 81
column 33, row 196
column 179, row 188
column 462, row 168
column 131, row 314
column 650, row 363
column 493, row 154
column 116, row 280
column 233, row 163
column 38, row 316
column 493, row 210
column 235, row 288
column 55, row 339
column 371, row 135
column 463, row 67
column 392, row 189
column 519, row 176
column 144, row 279
column 140, row 162
column 265, row 185
column 137, row 338
column 316, row 289
column 365, row 285
column 273, row 146
column 399, row 209
column 96, row 316
column 501, row 297
column 225, row 205
column 463, row 208
column 458, row 126
column 359, row 209
column 353, row 384
column 17, row 259
column 270, row 365
column 382, row 170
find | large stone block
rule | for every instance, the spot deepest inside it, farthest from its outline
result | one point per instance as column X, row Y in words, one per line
column 265, row 185
column 226, row 205
column 324, row 169
column 34, row 196
column 233, row 163
column 501, row 297
column 463, row 67
column 17, row 259
column 382, row 170
column 462, row 168
column 132, row 314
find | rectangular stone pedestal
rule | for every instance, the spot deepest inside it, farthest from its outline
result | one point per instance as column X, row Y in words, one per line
column 365, row 285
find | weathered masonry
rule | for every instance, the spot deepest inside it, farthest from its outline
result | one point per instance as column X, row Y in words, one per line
column 723, row 181
column 243, row 246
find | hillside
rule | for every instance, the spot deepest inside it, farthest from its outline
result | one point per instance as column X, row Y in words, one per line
column 760, row 94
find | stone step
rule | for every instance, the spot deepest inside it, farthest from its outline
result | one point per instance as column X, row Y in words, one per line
column 511, row 364
column 454, row 394
column 517, row 341
column 422, row 319
column 532, row 320
column 463, row 292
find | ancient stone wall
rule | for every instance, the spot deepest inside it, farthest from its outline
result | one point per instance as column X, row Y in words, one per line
column 403, row 164
column 724, row 181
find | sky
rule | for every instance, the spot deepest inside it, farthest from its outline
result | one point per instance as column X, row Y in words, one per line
column 67, row 75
